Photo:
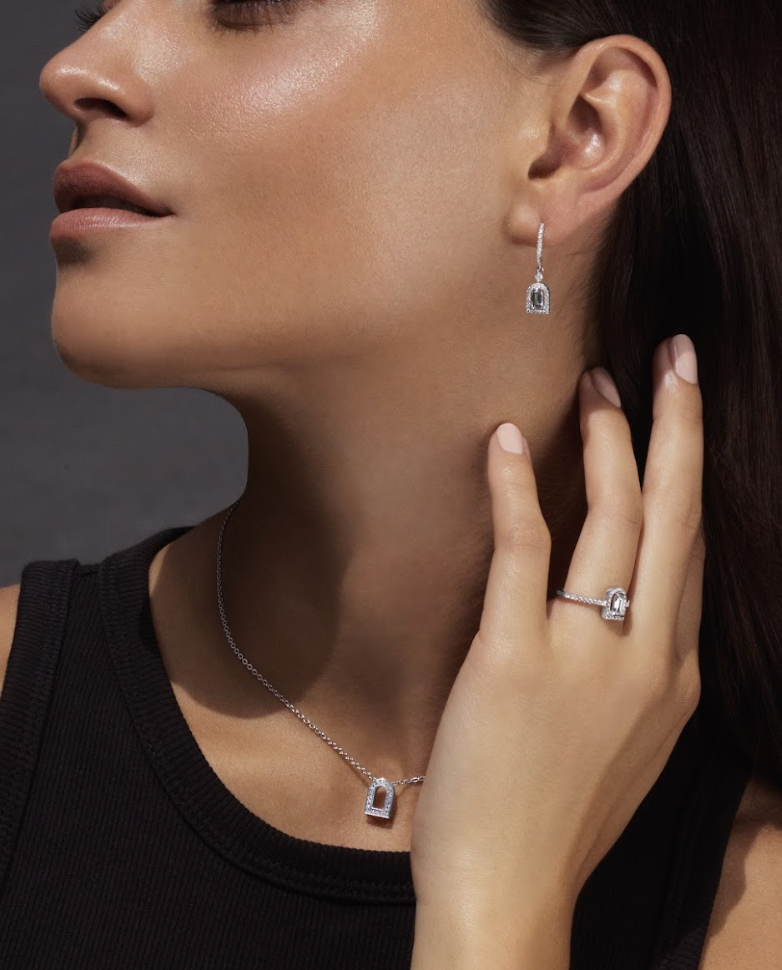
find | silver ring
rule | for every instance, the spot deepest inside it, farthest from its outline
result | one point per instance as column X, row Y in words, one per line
column 614, row 605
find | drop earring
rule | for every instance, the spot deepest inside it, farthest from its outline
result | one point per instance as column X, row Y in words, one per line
column 538, row 294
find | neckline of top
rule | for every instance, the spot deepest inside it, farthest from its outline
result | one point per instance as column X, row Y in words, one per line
column 209, row 806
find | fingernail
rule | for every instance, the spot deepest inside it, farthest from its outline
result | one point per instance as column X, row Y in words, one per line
column 684, row 358
column 510, row 438
column 604, row 385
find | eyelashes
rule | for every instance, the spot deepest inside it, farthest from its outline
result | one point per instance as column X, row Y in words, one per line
column 223, row 14
column 251, row 15
column 85, row 17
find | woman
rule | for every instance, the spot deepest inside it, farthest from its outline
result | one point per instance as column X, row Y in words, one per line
column 392, row 235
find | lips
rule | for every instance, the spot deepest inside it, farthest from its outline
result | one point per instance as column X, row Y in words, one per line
column 89, row 184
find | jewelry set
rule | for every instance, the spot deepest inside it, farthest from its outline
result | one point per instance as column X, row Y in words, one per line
column 613, row 605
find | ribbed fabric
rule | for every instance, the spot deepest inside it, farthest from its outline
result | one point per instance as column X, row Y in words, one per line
column 121, row 848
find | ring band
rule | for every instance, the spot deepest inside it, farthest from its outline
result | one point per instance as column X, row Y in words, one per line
column 614, row 605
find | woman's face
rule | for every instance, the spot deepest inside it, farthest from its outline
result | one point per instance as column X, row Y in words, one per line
column 337, row 172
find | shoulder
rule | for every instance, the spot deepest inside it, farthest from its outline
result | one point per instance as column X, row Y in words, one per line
column 745, row 930
column 9, row 601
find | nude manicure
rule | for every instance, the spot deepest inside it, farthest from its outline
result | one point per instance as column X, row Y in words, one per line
column 684, row 358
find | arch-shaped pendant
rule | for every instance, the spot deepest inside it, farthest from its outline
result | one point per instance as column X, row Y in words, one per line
column 538, row 298
column 388, row 802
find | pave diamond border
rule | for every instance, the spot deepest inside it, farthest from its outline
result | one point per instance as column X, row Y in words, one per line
column 615, row 596
column 546, row 308
column 388, row 802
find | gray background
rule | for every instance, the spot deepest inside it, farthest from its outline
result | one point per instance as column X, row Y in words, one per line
column 85, row 470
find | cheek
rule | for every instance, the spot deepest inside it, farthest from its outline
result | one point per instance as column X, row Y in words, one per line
column 352, row 220
column 324, row 203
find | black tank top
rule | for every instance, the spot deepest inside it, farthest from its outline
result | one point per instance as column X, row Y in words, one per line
column 121, row 848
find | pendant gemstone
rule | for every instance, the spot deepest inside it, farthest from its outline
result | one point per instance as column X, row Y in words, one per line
column 383, row 811
column 538, row 298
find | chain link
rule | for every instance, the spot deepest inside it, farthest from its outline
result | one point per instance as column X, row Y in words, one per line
column 265, row 682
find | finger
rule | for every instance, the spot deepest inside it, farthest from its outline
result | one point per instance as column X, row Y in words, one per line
column 672, row 489
column 605, row 553
column 514, row 609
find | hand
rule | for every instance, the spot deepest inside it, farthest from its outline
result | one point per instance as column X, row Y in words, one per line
column 560, row 722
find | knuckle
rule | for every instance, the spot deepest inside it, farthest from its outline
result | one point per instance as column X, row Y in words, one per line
column 528, row 533
column 498, row 662
column 652, row 682
column 688, row 514
column 699, row 546
column 626, row 511
column 681, row 508
column 690, row 685
column 691, row 694
column 517, row 673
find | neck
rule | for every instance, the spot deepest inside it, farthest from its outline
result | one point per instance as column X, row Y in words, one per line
column 355, row 565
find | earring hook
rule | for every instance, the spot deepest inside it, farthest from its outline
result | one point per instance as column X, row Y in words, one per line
column 538, row 294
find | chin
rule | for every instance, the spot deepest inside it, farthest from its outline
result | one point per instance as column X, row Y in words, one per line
column 102, row 348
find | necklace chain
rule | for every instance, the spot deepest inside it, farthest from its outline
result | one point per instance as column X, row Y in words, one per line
column 265, row 682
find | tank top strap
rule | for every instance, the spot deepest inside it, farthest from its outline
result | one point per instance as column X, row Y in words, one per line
column 42, row 612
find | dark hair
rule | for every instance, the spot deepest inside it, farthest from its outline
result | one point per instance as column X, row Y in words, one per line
column 695, row 247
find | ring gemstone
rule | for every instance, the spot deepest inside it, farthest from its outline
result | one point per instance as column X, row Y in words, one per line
column 616, row 603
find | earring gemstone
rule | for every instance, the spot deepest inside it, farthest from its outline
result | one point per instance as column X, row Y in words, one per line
column 538, row 298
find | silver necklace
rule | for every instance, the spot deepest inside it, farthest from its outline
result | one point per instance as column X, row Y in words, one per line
column 382, row 811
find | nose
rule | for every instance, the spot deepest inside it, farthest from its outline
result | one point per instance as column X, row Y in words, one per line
column 94, row 78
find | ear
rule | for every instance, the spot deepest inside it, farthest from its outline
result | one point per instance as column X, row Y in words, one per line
column 589, row 130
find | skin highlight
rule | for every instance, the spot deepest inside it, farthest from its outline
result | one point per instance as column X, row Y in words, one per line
column 356, row 198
